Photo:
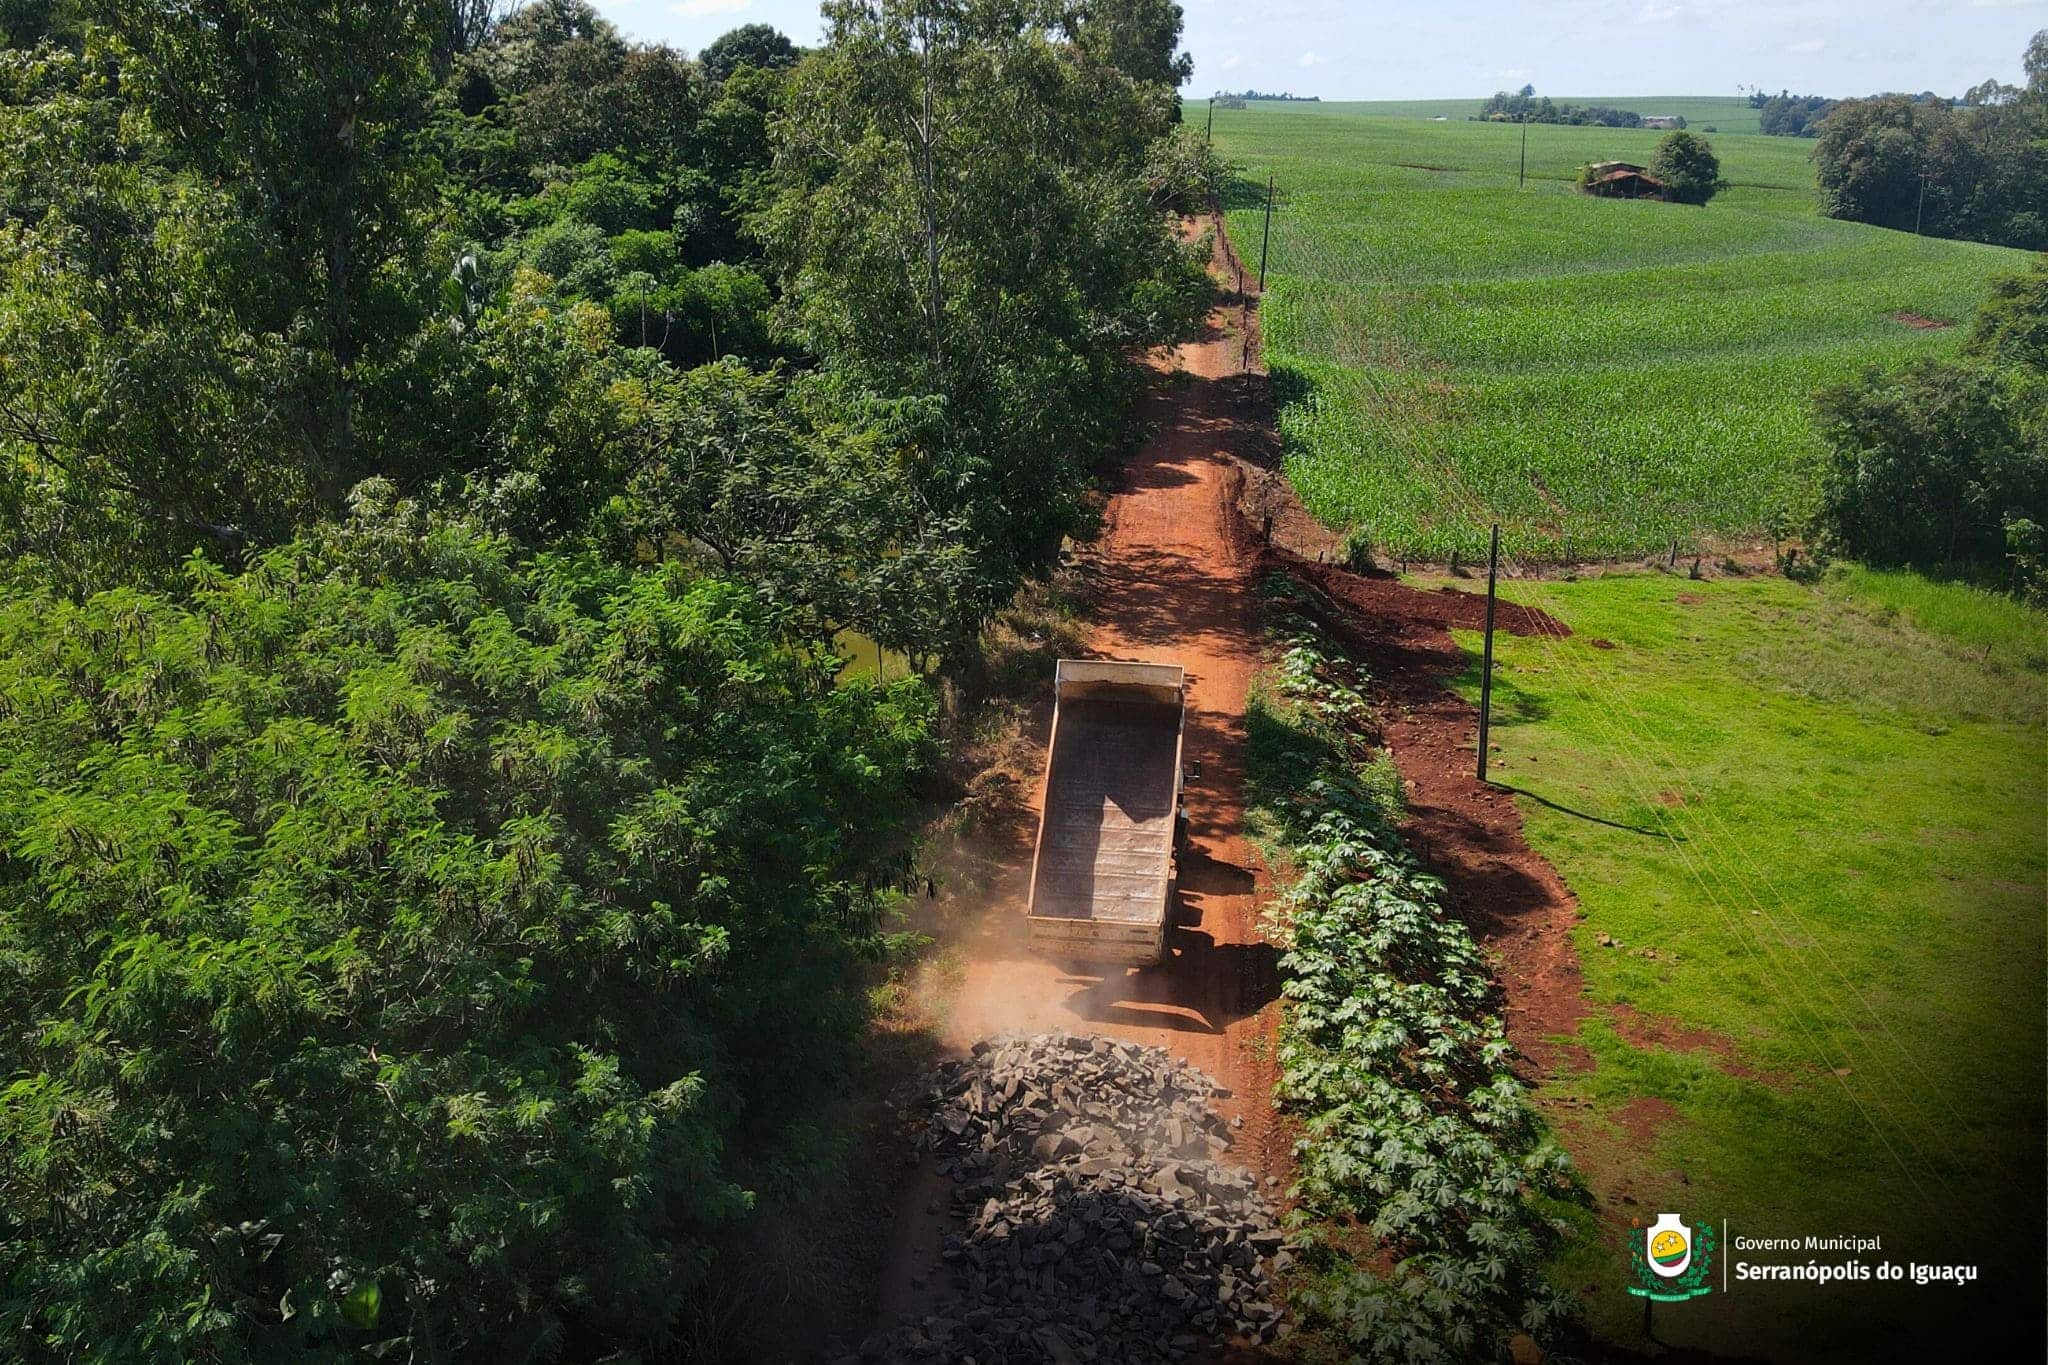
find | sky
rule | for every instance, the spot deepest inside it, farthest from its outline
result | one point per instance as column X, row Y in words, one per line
column 1421, row 49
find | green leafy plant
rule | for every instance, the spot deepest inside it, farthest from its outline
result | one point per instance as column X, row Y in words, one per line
column 1393, row 1054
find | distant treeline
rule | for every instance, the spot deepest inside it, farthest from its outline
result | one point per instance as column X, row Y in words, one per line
column 1223, row 96
column 1526, row 104
column 1788, row 115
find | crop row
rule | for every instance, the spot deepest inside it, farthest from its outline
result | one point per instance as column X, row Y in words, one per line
column 1600, row 376
column 1392, row 1053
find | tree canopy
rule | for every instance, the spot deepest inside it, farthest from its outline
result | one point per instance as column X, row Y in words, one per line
column 1943, row 465
column 1923, row 164
column 940, row 240
column 1788, row 115
column 1525, row 105
column 1686, row 163
column 403, row 920
column 756, row 45
column 441, row 451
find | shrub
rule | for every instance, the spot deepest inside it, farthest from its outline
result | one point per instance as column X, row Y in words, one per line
column 1414, row 1127
column 1356, row 550
column 2012, row 327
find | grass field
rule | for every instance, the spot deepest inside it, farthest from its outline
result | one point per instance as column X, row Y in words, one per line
column 1601, row 376
column 1728, row 113
column 1809, row 821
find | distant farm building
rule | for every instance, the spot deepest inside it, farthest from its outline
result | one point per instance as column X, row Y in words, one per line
column 1662, row 121
column 1620, row 180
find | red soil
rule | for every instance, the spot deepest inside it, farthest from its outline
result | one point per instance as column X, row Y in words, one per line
column 1655, row 1030
column 1172, row 574
column 1467, row 832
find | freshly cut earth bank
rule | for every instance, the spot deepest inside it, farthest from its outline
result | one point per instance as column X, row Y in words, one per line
column 1465, row 831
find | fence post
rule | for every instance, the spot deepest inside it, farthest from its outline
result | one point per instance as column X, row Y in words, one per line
column 1266, row 240
column 1486, row 660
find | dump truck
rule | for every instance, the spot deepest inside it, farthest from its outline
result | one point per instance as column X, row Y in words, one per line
column 1102, row 871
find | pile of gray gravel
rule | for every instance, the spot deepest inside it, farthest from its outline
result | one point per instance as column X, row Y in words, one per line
column 1098, row 1222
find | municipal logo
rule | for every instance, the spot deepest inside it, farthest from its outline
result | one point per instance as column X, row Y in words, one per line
column 1672, row 1261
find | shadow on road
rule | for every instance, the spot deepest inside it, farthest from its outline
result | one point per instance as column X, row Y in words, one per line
column 1203, row 986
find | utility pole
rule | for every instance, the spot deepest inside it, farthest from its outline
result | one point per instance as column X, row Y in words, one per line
column 1212, row 119
column 1486, row 660
column 1267, row 239
column 1522, row 175
column 1920, row 207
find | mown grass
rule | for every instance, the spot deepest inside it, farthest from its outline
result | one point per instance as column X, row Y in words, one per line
column 1812, row 819
column 1601, row 376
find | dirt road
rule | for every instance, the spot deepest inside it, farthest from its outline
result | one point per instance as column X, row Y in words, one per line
column 1172, row 575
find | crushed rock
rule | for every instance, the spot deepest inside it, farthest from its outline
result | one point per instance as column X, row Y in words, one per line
column 1098, row 1223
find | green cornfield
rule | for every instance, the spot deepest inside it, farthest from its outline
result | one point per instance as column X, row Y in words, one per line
column 1603, row 377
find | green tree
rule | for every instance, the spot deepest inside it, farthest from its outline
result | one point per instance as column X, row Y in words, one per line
column 215, row 285
column 960, row 212
column 559, row 76
column 757, row 45
column 413, row 948
column 789, row 484
column 1870, row 155
column 1911, row 163
column 1686, row 163
column 465, row 26
column 1788, row 115
column 1138, row 37
column 2012, row 327
column 152, row 397
column 25, row 23
column 1928, row 465
column 791, row 487
column 306, row 111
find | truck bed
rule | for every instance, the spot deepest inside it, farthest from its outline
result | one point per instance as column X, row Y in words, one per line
column 1106, row 845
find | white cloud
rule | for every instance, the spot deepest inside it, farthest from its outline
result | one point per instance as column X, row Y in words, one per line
column 1309, row 59
column 1810, row 45
column 1230, row 63
column 698, row 9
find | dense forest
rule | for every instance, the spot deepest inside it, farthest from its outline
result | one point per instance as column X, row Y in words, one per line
column 1975, row 168
column 439, row 451
column 1977, row 171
